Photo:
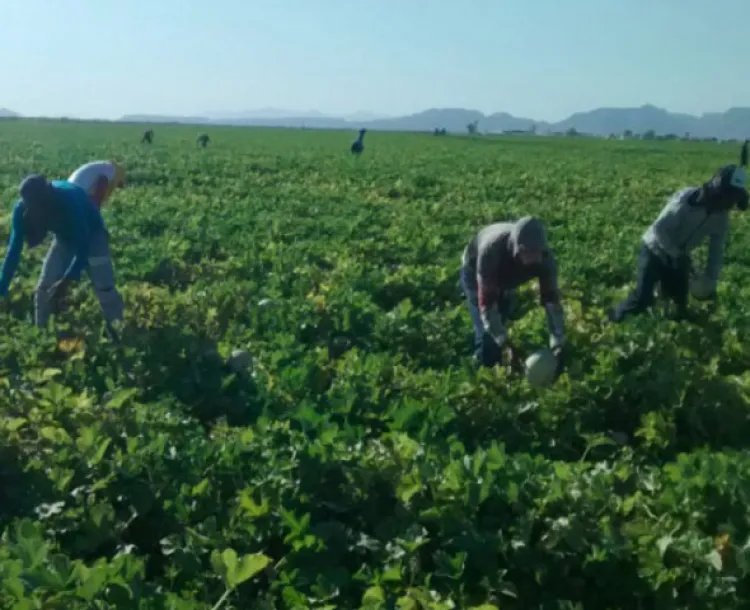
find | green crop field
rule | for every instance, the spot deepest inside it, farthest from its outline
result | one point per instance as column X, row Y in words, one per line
column 360, row 461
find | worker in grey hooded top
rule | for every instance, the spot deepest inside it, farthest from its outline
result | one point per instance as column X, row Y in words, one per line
column 690, row 216
column 500, row 258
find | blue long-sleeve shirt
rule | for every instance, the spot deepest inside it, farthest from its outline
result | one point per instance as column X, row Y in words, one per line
column 73, row 223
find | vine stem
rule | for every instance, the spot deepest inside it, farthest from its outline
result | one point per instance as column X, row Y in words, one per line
column 222, row 599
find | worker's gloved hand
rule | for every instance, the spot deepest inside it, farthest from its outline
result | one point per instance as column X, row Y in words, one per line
column 514, row 358
column 495, row 326
column 559, row 353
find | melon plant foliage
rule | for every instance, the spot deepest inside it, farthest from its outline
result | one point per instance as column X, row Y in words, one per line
column 358, row 460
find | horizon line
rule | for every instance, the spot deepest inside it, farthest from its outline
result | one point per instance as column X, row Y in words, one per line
column 248, row 114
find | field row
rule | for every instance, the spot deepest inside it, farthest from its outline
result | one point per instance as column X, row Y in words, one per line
column 361, row 460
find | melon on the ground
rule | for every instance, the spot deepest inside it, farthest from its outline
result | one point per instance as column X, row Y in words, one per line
column 540, row 368
column 240, row 360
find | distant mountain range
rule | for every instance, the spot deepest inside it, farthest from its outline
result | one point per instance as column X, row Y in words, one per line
column 732, row 124
column 280, row 113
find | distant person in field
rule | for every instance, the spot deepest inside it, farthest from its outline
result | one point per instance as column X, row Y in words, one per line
column 690, row 216
column 148, row 137
column 358, row 145
column 81, row 242
column 99, row 179
column 499, row 259
column 203, row 140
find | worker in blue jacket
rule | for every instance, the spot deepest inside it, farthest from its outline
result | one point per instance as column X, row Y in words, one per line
column 81, row 242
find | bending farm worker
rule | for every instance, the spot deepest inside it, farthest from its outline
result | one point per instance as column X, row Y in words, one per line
column 690, row 216
column 99, row 179
column 499, row 259
column 81, row 242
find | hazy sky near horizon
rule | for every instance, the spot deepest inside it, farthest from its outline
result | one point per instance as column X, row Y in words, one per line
column 542, row 59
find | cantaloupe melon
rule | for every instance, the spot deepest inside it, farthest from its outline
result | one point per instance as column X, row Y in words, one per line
column 540, row 368
column 240, row 360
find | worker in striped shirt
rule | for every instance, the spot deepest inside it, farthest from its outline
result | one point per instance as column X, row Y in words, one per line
column 500, row 258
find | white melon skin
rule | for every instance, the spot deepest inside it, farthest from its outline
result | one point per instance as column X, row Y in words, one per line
column 540, row 368
column 240, row 360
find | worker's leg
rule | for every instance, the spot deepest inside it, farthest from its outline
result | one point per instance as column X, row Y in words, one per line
column 102, row 276
column 650, row 271
column 486, row 351
column 56, row 262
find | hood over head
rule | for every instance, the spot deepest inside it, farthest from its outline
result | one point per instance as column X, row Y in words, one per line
column 528, row 233
column 729, row 183
column 37, row 196
column 36, row 192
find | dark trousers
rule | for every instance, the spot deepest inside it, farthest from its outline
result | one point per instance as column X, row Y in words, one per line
column 652, row 270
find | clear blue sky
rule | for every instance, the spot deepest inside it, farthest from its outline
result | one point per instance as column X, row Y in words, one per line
column 538, row 58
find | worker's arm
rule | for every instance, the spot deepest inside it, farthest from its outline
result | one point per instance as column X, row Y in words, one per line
column 716, row 245
column 661, row 236
column 488, row 274
column 549, row 292
column 13, row 254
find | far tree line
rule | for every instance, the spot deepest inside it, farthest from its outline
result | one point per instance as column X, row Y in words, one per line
column 473, row 129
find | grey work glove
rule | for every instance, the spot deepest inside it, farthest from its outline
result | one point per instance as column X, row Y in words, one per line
column 559, row 353
column 514, row 358
column 555, row 323
column 494, row 325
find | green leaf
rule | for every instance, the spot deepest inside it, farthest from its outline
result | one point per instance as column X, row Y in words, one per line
column 49, row 432
column 121, row 397
column 50, row 373
column 13, row 586
column 86, row 438
column 15, row 423
column 200, row 488
column 217, row 563
column 391, row 574
column 663, row 544
column 406, row 493
column 229, row 557
column 93, row 583
column 374, row 595
column 253, row 509
column 99, row 455
column 407, row 602
column 246, row 568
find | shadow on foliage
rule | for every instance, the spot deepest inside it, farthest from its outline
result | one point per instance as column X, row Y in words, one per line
column 714, row 413
column 172, row 361
column 428, row 298
column 175, row 275
column 22, row 489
